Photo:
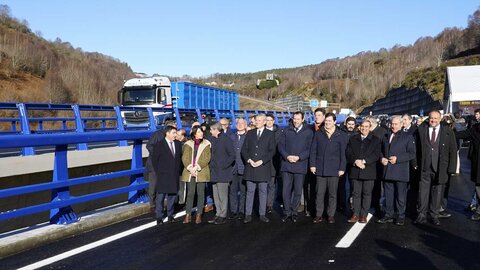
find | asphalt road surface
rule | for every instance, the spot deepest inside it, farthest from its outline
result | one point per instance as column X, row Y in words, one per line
column 276, row 245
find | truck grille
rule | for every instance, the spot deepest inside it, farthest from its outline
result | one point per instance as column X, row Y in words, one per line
column 137, row 117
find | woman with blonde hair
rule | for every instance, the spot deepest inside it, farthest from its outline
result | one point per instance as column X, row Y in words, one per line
column 196, row 159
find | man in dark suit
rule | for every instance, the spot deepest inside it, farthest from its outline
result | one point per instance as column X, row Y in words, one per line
column 398, row 150
column 294, row 148
column 149, row 173
column 412, row 193
column 166, row 160
column 257, row 152
column 328, row 163
column 237, row 203
column 437, row 159
column 221, row 165
column 276, row 163
column 363, row 153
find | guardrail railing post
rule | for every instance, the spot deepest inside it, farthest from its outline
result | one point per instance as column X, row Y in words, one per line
column 217, row 115
column 64, row 215
column 151, row 119
column 233, row 124
column 177, row 118
column 120, row 126
column 25, row 128
column 80, row 128
column 199, row 116
column 137, row 196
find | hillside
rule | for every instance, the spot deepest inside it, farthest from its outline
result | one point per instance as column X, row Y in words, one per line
column 33, row 69
column 359, row 80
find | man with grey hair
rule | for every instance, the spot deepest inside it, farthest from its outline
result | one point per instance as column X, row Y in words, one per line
column 225, row 124
column 257, row 151
column 237, row 203
column 398, row 150
column 221, row 165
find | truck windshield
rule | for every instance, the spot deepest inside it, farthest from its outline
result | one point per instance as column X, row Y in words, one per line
column 138, row 96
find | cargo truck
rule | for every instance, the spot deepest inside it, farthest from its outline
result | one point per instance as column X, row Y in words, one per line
column 159, row 92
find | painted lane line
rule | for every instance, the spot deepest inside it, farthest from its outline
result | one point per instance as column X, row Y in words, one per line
column 352, row 234
column 93, row 245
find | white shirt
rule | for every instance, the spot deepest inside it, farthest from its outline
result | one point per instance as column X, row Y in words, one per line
column 298, row 129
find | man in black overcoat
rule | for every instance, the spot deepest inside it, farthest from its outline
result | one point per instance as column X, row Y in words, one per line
column 166, row 160
column 437, row 159
column 257, row 153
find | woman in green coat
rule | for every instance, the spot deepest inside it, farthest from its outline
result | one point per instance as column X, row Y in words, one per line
column 196, row 159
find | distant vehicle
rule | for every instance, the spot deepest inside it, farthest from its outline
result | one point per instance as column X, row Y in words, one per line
column 159, row 92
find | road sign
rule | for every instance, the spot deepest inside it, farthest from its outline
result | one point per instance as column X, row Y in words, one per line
column 323, row 104
column 313, row 102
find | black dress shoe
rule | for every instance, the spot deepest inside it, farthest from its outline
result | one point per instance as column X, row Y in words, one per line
column 444, row 214
column 294, row 218
column 212, row 221
column 220, row 221
column 248, row 219
column 385, row 220
column 435, row 221
column 264, row 219
column 421, row 219
column 233, row 216
column 285, row 218
column 400, row 222
column 171, row 219
column 159, row 221
column 269, row 210
column 241, row 216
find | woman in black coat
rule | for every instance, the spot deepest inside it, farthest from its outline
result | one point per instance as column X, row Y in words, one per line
column 473, row 134
column 363, row 153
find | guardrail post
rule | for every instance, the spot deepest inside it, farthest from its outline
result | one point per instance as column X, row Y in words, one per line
column 79, row 126
column 64, row 215
column 199, row 116
column 137, row 196
column 217, row 116
column 120, row 126
column 234, row 120
column 177, row 118
column 25, row 128
column 284, row 119
column 151, row 119
column 275, row 117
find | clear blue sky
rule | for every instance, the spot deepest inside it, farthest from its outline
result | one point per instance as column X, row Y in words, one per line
column 199, row 38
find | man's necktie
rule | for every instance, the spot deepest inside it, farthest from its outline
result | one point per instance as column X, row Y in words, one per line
column 172, row 149
column 259, row 132
column 434, row 135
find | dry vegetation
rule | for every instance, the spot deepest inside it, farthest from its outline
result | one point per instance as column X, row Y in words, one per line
column 33, row 69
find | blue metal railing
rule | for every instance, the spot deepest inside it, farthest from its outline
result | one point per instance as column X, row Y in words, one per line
column 60, row 206
column 77, row 121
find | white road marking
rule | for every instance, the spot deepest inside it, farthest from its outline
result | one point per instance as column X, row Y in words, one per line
column 352, row 234
column 95, row 244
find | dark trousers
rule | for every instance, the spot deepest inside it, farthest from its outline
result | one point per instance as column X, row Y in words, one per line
column 271, row 192
column 295, row 180
column 237, row 194
column 362, row 196
column 430, row 194
column 324, row 183
column 342, row 193
column 412, row 193
column 159, row 204
column 477, row 189
column 152, row 182
column 200, row 188
column 262, row 197
column 395, row 198
column 309, row 192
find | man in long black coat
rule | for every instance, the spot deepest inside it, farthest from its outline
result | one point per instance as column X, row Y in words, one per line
column 166, row 160
column 257, row 152
column 363, row 154
column 437, row 159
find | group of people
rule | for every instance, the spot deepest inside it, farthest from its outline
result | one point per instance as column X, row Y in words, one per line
column 309, row 165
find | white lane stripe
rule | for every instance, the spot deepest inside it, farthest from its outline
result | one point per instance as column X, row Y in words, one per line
column 98, row 243
column 352, row 234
